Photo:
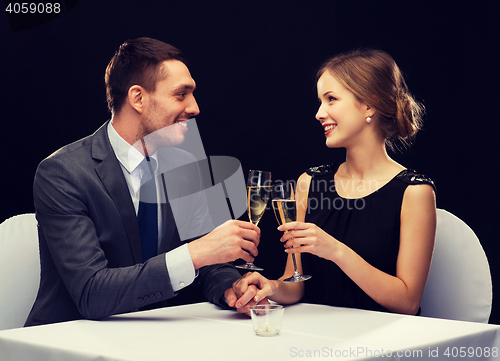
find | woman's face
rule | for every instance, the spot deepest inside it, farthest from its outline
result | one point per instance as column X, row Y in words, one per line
column 342, row 116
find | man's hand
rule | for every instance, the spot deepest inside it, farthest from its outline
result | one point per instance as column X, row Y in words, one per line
column 233, row 301
column 228, row 242
column 249, row 290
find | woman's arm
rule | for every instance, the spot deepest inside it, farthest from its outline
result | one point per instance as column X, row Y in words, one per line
column 401, row 293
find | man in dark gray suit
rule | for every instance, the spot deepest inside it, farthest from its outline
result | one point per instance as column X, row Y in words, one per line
column 87, row 199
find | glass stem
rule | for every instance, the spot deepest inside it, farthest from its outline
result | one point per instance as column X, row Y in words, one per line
column 294, row 262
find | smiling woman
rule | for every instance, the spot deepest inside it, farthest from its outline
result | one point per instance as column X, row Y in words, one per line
column 367, row 239
column 373, row 78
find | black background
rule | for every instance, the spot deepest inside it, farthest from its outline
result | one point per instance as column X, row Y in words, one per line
column 254, row 64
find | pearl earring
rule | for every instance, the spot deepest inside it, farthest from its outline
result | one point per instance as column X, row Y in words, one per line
column 368, row 120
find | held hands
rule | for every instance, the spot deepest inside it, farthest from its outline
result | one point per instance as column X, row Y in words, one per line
column 309, row 238
column 230, row 241
column 249, row 290
column 254, row 288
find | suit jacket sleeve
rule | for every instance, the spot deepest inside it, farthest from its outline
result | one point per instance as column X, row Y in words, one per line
column 215, row 280
column 89, row 242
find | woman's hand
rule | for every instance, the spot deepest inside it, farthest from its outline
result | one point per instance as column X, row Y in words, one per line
column 251, row 289
column 309, row 238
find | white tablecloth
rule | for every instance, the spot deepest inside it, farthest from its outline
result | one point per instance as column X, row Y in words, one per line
column 205, row 332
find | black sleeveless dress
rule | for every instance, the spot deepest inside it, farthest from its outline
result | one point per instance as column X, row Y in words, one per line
column 370, row 226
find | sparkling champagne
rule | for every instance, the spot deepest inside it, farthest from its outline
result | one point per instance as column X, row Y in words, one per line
column 257, row 202
column 284, row 210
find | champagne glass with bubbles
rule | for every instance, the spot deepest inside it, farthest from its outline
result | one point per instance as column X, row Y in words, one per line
column 258, row 194
column 285, row 210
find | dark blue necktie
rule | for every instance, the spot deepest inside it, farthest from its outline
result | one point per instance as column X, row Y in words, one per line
column 148, row 211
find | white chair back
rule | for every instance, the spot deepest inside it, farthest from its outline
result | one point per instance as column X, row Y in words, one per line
column 459, row 285
column 19, row 269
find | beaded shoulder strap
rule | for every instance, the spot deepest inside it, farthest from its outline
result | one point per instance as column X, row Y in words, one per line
column 322, row 169
column 410, row 176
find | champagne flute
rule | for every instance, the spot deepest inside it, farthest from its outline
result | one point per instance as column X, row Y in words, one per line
column 285, row 211
column 258, row 193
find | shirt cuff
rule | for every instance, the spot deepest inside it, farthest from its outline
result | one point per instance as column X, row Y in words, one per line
column 180, row 267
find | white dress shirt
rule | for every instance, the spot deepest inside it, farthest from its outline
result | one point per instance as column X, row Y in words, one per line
column 178, row 261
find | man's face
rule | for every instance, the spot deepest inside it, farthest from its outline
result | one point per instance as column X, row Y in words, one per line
column 167, row 109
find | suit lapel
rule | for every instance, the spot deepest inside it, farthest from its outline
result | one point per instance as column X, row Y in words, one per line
column 111, row 175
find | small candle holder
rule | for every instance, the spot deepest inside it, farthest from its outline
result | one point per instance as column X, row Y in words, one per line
column 267, row 319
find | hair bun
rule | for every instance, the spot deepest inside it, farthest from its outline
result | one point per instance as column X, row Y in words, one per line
column 409, row 114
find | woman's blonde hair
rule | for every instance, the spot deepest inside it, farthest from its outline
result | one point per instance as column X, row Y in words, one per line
column 375, row 79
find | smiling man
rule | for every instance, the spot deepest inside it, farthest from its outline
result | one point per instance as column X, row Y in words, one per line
column 160, row 113
column 103, row 249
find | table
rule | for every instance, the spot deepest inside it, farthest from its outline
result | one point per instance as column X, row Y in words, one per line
column 205, row 332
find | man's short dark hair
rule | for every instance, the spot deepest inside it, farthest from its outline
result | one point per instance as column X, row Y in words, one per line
column 137, row 62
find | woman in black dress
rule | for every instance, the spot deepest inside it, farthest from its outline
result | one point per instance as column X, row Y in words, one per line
column 365, row 229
